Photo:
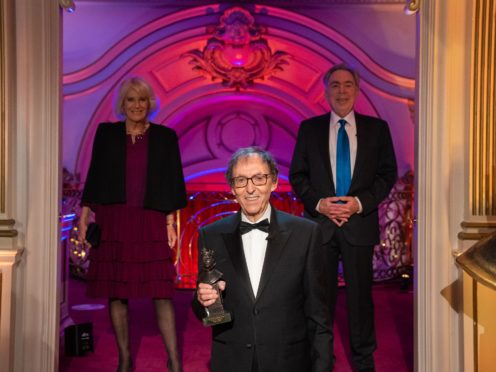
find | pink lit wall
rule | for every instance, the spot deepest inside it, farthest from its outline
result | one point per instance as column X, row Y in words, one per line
column 106, row 41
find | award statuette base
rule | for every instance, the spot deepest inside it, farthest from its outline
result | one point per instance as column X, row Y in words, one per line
column 215, row 319
column 216, row 314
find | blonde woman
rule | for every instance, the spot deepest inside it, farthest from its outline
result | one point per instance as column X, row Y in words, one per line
column 134, row 186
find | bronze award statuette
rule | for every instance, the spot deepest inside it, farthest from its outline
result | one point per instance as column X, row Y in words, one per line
column 216, row 314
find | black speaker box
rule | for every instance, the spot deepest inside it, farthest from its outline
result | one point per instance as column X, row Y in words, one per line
column 78, row 339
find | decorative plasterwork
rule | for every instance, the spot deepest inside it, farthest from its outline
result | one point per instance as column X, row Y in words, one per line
column 6, row 229
column 67, row 5
column 237, row 54
column 443, row 77
column 483, row 126
column 476, row 230
column 154, row 37
column 37, row 184
column 2, row 110
column 153, row 51
column 412, row 6
column 6, row 224
column 9, row 260
column 268, row 2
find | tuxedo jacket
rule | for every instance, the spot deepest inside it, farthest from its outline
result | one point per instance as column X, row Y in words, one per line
column 374, row 174
column 106, row 180
column 287, row 322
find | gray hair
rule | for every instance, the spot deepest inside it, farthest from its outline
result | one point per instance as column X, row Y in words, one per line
column 342, row 66
column 246, row 152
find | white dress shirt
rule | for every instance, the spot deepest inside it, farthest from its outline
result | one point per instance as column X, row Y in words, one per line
column 351, row 130
column 254, row 248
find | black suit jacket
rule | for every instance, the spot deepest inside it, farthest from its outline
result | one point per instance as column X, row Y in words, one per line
column 287, row 323
column 374, row 174
column 106, row 179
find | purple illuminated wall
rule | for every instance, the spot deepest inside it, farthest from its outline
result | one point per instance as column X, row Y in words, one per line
column 103, row 42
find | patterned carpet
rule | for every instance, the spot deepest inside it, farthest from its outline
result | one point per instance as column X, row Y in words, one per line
column 394, row 321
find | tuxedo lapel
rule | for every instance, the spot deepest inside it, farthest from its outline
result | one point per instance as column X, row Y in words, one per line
column 234, row 246
column 278, row 236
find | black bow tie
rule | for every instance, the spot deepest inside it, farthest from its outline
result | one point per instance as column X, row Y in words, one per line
column 246, row 227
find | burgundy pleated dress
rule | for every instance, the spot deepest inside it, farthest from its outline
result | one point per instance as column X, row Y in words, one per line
column 133, row 258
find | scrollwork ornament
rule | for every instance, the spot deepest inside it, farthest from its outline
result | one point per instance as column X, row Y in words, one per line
column 412, row 6
column 68, row 5
column 236, row 53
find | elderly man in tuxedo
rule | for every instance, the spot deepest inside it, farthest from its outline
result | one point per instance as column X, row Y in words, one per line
column 273, row 281
column 343, row 166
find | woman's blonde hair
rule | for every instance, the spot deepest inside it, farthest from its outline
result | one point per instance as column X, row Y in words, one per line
column 144, row 90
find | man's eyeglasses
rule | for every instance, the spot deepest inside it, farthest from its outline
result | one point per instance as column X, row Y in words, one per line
column 257, row 180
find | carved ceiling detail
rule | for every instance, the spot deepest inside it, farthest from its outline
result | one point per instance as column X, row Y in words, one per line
column 188, row 3
column 236, row 53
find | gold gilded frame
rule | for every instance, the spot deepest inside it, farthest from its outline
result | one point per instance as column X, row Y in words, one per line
column 483, row 126
column 3, row 123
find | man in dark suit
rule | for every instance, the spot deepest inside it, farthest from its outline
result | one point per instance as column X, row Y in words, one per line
column 343, row 166
column 273, row 280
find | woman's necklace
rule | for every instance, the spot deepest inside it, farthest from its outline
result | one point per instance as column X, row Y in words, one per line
column 137, row 133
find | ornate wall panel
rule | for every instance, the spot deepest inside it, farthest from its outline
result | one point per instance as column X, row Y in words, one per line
column 6, row 114
column 2, row 110
column 321, row 3
column 226, row 82
column 483, row 188
column 161, row 50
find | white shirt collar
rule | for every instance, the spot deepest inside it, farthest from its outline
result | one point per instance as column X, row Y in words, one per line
column 266, row 215
column 350, row 118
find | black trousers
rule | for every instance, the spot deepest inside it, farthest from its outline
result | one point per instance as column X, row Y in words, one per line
column 357, row 269
column 254, row 366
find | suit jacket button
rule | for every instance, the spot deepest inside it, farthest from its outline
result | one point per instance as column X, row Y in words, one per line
column 248, row 346
column 256, row 311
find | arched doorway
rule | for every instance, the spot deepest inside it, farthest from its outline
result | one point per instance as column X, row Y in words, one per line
column 212, row 120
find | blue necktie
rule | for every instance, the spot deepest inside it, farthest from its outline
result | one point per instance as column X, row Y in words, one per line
column 343, row 164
